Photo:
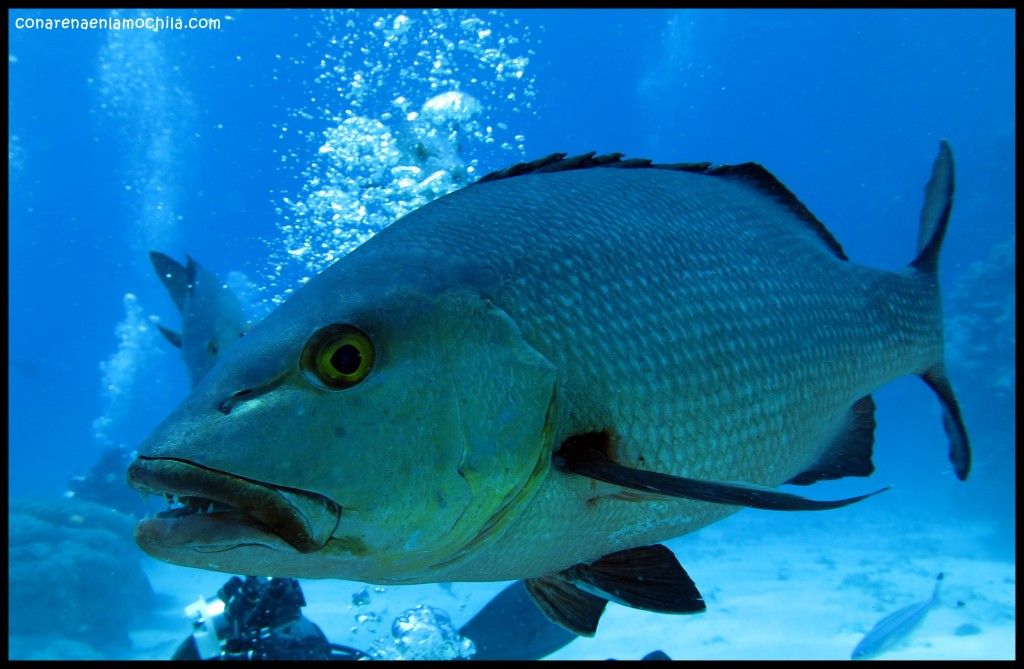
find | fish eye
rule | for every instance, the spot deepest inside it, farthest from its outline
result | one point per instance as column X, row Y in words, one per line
column 338, row 357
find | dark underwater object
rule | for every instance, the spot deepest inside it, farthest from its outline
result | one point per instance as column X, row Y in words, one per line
column 257, row 619
column 104, row 484
column 73, row 574
column 511, row 627
column 211, row 315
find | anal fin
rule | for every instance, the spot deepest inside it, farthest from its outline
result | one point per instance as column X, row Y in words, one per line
column 849, row 454
column 649, row 578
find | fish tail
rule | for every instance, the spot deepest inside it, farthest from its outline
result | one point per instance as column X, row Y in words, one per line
column 938, row 203
column 935, row 590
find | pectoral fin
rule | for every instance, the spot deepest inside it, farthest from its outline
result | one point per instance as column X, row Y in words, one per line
column 584, row 455
column 170, row 335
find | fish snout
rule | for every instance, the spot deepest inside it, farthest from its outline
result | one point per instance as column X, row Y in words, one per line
column 303, row 519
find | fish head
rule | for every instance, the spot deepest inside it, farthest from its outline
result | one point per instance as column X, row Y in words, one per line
column 378, row 426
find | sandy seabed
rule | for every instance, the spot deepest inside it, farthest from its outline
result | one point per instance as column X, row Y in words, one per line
column 777, row 586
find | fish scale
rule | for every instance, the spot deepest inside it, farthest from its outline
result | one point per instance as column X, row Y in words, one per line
column 679, row 370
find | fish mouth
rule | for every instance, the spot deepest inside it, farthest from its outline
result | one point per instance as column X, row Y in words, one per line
column 213, row 510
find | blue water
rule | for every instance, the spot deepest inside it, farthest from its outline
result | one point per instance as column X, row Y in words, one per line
column 201, row 142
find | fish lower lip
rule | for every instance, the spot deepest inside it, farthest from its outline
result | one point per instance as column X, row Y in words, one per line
column 304, row 520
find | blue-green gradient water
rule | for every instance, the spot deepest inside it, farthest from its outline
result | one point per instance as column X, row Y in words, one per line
column 271, row 144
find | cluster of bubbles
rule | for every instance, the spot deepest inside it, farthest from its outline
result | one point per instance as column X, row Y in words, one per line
column 140, row 95
column 367, row 618
column 140, row 91
column 404, row 106
column 423, row 633
column 15, row 156
column 412, row 101
column 136, row 341
column 248, row 293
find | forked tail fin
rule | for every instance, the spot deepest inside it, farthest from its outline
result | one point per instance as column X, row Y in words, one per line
column 938, row 202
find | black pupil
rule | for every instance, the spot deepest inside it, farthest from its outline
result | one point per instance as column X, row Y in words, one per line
column 346, row 359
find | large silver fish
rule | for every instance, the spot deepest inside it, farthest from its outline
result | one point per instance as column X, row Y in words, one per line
column 543, row 375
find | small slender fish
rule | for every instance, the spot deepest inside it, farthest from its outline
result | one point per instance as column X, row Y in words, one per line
column 895, row 627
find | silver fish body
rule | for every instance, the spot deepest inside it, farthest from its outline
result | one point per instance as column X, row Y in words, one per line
column 703, row 323
column 717, row 336
column 895, row 627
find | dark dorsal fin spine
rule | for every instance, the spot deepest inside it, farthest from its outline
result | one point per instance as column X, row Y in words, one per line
column 751, row 174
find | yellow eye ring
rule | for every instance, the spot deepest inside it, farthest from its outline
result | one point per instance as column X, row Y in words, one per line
column 338, row 357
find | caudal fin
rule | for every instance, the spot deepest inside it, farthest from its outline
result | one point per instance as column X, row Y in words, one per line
column 959, row 446
column 938, row 203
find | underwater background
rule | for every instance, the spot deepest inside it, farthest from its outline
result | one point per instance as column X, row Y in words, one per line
column 270, row 147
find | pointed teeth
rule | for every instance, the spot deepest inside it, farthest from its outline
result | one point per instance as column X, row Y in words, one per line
column 178, row 507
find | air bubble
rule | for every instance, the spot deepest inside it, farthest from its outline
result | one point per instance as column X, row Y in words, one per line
column 406, row 103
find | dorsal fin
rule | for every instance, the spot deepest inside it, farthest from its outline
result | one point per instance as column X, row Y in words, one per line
column 751, row 174
column 175, row 277
column 761, row 179
column 557, row 162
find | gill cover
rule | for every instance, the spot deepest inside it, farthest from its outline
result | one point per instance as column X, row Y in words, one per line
column 504, row 393
column 427, row 450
